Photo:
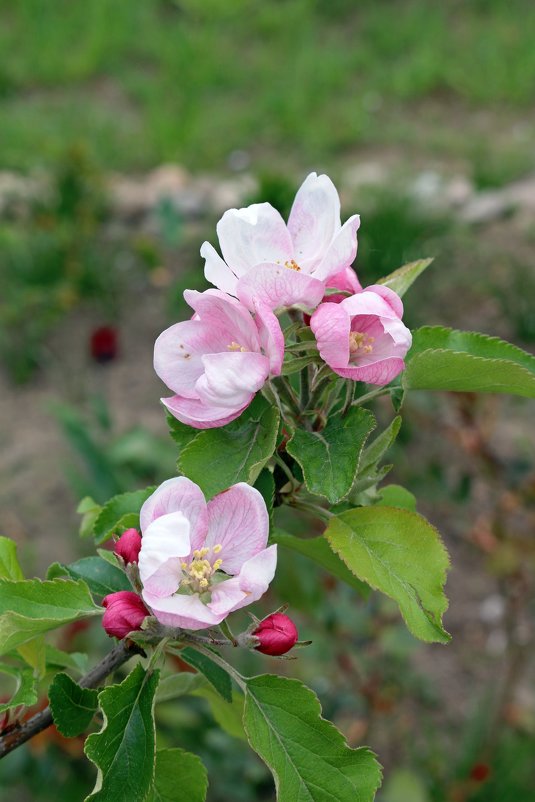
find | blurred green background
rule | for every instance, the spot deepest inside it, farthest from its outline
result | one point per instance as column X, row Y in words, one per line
column 126, row 129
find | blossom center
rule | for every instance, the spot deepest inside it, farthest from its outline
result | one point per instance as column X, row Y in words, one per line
column 360, row 343
column 200, row 571
column 236, row 347
column 291, row 264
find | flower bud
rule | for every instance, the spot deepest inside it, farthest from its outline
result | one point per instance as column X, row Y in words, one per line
column 128, row 546
column 103, row 344
column 125, row 612
column 277, row 634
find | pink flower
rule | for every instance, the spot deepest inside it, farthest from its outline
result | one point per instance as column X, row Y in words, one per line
column 200, row 561
column 362, row 337
column 218, row 360
column 283, row 265
column 125, row 612
column 128, row 546
column 276, row 635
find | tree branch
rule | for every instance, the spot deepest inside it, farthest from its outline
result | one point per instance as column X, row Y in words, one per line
column 25, row 730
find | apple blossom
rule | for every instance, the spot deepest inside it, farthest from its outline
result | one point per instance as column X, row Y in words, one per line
column 125, row 612
column 200, row 561
column 362, row 337
column 218, row 360
column 283, row 265
column 276, row 635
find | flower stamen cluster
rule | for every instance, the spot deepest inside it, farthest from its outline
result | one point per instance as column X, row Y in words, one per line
column 200, row 570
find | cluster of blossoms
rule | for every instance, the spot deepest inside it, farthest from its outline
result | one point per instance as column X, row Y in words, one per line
column 198, row 561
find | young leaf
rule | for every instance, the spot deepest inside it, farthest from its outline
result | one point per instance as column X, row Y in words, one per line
column 73, row 707
column 330, row 458
column 215, row 675
column 179, row 777
column 399, row 553
column 34, row 653
column 317, row 549
column 101, row 577
column 123, row 750
column 9, row 564
column 378, row 448
column 31, row 607
column 56, row 658
column 397, row 496
column 402, row 278
column 229, row 715
column 463, row 361
column 309, row 758
column 237, row 452
column 120, row 512
column 25, row 691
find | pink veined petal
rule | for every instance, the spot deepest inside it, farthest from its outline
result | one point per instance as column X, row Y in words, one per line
column 229, row 319
column 314, row 220
column 271, row 337
column 180, row 610
column 216, row 271
column 331, row 326
column 342, row 251
column 194, row 412
column 165, row 541
column 388, row 295
column 229, row 380
column 378, row 373
column 369, row 302
column 346, row 280
column 178, row 351
column 253, row 235
column 237, row 521
column 252, row 581
column 277, row 286
column 178, row 494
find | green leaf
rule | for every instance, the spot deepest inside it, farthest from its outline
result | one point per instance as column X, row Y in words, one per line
column 31, row 607
column 124, row 749
column 317, row 549
column 329, row 459
column 265, row 484
column 237, row 452
column 402, row 278
column 463, row 361
column 399, row 553
column 296, row 364
column 378, row 448
column 119, row 513
column 397, row 496
column 101, row 577
column 34, row 653
column 179, row 777
column 215, row 675
column 177, row 685
column 229, row 715
column 9, row 564
column 309, row 758
column 56, row 658
column 89, row 510
column 73, row 707
column 180, row 433
column 25, row 689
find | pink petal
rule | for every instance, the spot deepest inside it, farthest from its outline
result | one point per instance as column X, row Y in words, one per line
column 331, row 325
column 216, row 271
column 165, row 541
column 369, row 302
column 277, row 286
column 346, row 280
column 226, row 318
column 178, row 494
column 194, row 412
column 178, row 351
column 342, row 251
column 271, row 337
column 238, row 521
column 253, row 235
column 251, row 583
column 378, row 373
column 187, row 612
column 229, row 380
column 314, row 220
column 388, row 295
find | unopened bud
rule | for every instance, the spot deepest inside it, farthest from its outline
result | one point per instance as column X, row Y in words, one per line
column 277, row 634
column 128, row 546
column 125, row 612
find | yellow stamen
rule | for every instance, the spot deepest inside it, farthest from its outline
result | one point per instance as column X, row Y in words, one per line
column 236, row 347
column 217, row 548
column 292, row 265
column 360, row 342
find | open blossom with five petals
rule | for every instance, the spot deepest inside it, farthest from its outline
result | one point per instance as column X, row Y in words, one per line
column 362, row 337
column 200, row 561
column 218, row 360
column 283, row 265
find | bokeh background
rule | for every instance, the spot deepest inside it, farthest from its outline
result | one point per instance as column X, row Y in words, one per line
column 126, row 129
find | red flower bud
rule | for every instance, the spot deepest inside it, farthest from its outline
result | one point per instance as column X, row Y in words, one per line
column 277, row 635
column 103, row 344
column 125, row 612
column 128, row 546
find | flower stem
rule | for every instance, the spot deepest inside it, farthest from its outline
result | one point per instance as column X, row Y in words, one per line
column 372, row 394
